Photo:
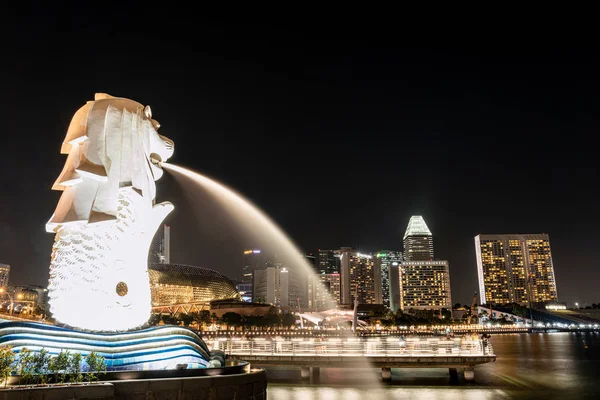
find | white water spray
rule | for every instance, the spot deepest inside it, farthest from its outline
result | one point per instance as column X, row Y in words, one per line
column 253, row 221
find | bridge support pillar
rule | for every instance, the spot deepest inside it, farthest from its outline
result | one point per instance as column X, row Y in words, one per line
column 315, row 373
column 469, row 373
column 305, row 372
column 386, row 374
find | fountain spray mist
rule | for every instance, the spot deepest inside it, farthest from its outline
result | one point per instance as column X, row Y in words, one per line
column 253, row 221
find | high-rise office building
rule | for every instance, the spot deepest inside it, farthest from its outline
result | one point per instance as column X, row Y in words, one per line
column 160, row 248
column 4, row 274
column 253, row 259
column 344, row 255
column 327, row 262
column 515, row 268
column 425, row 285
column 388, row 262
column 272, row 285
column 418, row 241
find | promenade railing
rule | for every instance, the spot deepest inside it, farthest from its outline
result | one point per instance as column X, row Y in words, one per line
column 372, row 347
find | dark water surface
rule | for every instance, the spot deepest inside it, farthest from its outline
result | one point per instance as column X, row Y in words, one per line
column 528, row 366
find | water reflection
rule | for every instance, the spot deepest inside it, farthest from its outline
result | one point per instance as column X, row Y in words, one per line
column 529, row 366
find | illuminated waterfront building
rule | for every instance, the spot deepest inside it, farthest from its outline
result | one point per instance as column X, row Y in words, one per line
column 425, row 285
column 172, row 284
column 515, row 268
column 388, row 262
column 4, row 274
column 26, row 298
column 418, row 241
column 359, row 276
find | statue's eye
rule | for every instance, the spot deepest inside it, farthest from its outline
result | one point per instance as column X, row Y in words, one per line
column 148, row 112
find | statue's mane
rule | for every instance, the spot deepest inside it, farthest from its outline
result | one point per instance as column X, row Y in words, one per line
column 108, row 144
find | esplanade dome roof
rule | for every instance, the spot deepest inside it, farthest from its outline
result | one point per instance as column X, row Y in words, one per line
column 206, row 284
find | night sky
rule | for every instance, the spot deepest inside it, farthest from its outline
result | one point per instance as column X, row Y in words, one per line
column 339, row 139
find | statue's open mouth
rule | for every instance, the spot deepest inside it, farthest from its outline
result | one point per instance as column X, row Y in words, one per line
column 155, row 159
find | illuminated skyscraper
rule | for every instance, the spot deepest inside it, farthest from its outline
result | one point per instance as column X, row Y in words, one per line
column 515, row 268
column 388, row 262
column 359, row 276
column 4, row 274
column 327, row 262
column 252, row 260
column 418, row 241
column 425, row 285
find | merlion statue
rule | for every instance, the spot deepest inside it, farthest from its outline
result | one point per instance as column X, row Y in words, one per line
column 106, row 217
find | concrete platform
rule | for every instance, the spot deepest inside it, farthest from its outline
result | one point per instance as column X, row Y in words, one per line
column 247, row 386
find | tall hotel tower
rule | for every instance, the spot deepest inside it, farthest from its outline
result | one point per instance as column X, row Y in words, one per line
column 424, row 282
column 515, row 269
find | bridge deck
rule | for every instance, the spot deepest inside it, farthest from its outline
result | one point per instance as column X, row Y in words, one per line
column 352, row 361
column 385, row 352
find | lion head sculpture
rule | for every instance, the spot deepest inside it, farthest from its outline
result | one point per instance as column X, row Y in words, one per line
column 112, row 142
column 106, row 216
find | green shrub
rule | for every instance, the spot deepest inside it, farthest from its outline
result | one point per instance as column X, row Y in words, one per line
column 96, row 364
column 75, row 368
column 7, row 362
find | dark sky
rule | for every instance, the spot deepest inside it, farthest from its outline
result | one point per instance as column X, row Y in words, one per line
column 339, row 139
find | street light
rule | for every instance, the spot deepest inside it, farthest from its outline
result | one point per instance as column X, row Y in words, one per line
column 2, row 290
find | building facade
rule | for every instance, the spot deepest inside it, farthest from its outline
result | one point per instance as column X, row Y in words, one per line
column 327, row 262
column 515, row 268
column 4, row 274
column 365, row 278
column 323, row 291
column 245, row 290
column 388, row 262
column 418, row 240
column 253, row 260
column 425, row 285
column 172, row 284
column 272, row 285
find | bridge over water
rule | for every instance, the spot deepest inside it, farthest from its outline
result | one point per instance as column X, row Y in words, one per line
column 461, row 353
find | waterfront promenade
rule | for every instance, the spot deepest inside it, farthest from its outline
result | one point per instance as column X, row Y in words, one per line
column 459, row 353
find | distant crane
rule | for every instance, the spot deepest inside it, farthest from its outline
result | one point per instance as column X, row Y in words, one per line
column 472, row 308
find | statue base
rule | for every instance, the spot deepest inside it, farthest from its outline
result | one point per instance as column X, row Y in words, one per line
column 154, row 348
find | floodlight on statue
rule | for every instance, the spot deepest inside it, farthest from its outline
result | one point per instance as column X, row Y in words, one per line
column 106, row 216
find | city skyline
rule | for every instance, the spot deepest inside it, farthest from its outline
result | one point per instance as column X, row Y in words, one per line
column 338, row 141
